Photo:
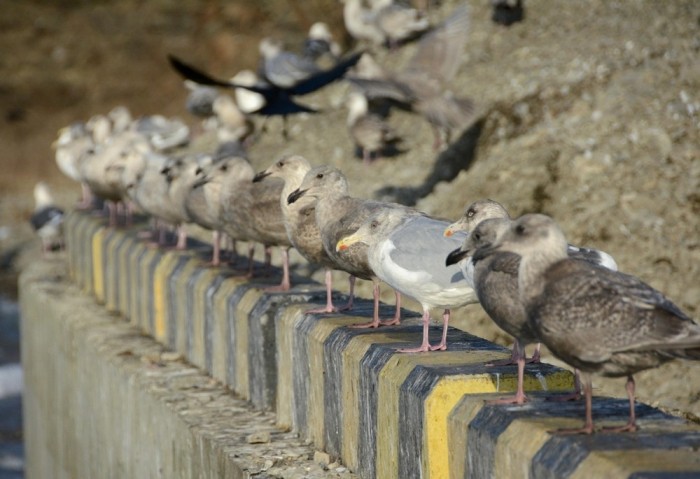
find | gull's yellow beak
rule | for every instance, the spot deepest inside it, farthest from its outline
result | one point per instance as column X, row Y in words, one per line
column 346, row 242
column 454, row 227
column 448, row 231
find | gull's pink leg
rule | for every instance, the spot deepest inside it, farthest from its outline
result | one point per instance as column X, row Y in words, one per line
column 520, row 396
column 329, row 308
column 631, row 425
column 286, row 283
column 588, row 425
column 375, row 317
column 443, row 342
column 535, row 359
column 425, row 345
column 181, row 238
column 397, row 315
column 513, row 359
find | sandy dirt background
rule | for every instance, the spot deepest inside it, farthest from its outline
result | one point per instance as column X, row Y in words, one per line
column 588, row 111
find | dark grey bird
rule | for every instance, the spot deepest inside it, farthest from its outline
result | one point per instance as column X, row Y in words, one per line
column 597, row 320
column 337, row 215
column 47, row 218
column 422, row 83
column 507, row 12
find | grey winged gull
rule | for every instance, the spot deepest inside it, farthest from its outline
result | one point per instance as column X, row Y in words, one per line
column 251, row 212
column 47, row 218
column 597, row 320
column 422, row 83
column 406, row 249
column 337, row 215
column 368, row 130
column 300, row 220
column 282, row 68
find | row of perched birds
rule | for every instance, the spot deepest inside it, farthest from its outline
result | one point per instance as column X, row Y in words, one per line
column 528, row 279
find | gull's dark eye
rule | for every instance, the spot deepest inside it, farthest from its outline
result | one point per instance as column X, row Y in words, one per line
column 374, row 224
column 470, row 213
column 280, row 163
column 520, row 229
column 319, row 176
column 224, row 168
column 477, row 236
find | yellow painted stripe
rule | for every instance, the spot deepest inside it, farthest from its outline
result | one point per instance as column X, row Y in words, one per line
column 220, row 332
column 242, row 311
column 450, row 389
column 391, row 378
column 98, row 284
column 517, row 445
column 352, row 358
column 458, row 428
column 160, row 295
column 284, row 342
column 315, row 353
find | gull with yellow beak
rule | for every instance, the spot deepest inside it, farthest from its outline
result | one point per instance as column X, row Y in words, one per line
column 406, row 250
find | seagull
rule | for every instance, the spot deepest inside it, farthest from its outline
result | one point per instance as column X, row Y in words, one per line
column 422, row 83
column 72, row 146
column 386, row 23
column 47, row 219
column 338, row 215
column 597, row 320
column 251, row 212
column 406, row 250
column 300, row 221
column 369, row 131
column 319, row 44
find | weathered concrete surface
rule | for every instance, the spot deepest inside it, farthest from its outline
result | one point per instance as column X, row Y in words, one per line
column 103, row 400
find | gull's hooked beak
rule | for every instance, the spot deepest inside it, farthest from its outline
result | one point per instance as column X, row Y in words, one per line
column 346, row 242
column 295, row 195
column 455, row 256
column 453, row 228
column 261, row 176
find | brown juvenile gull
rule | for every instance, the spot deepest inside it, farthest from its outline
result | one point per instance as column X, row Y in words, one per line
column 47, row 219
column 592, row 318
column 181, row 175
column 203, row 204
column 503, row 310
column 300, row 221
column 422, row 82
column 338, row 215
column 406, row 250
column 369, row 131
column 251, row 212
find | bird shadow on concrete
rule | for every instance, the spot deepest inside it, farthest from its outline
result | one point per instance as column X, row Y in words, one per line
column 458, row 156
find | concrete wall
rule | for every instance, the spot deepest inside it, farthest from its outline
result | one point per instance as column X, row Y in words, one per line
column 347, row 391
